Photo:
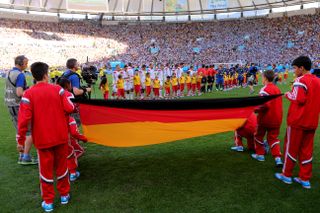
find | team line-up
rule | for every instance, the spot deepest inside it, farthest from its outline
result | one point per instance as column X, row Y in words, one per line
column 164, row 82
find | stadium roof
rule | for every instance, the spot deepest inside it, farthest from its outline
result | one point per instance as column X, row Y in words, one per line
column 155, row 8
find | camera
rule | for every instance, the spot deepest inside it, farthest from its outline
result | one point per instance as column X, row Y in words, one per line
column 89, row 75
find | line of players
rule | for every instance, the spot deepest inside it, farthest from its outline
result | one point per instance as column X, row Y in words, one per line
column 146, row 83
column 165, row 82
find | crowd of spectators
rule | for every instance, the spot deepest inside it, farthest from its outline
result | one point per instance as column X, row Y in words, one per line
column 261, row 40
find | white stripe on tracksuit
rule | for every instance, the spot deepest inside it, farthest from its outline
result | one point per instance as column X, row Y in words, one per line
column 287, row 148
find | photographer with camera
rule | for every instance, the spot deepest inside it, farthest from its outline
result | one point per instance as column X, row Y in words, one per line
column 78, row 91
column 74, row 78
column 15, row 87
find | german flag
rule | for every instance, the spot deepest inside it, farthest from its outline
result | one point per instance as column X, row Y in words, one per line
column 128, row 123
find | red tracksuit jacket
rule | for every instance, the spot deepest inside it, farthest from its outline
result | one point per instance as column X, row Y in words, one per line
column 44, row 107
column 270, row 114
column 74, row 130
column 304, row 109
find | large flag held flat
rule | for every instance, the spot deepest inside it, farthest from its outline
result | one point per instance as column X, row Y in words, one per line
column 127, row 123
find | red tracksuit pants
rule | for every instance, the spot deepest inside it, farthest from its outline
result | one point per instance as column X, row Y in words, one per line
column 53, row 160
column 298, row 146
column 72, row 160
column 272, row 138
column 243, row 133
column 77, row 148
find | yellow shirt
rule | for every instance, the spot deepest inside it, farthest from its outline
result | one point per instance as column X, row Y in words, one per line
column 105, row 88
column 194, row 80
column 148, row 81
column 59, row 73
column 188, row 79
column 55, row 73
column 120, row 84
column 101, row 73
column 182, row 80
column 156, row 84
column 174, row 81
column 136, row 80
column 79, row 73
column 52, row 74
column 167, row 84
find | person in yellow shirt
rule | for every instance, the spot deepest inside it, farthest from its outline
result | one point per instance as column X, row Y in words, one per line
column 235, row 80
column 174, row 83
column 101, row 73
column 199, row 79
column 188, row 82
column 230, row 77
column 104, row 87
column 120, row 87
column 280, row 77
column 148, row 85
column 156, row 87
column 182, row 81
column 52, row 76
column 194, row 83
column 226, row 81
column 57, row 74
column 137, row 84
column 167, row 87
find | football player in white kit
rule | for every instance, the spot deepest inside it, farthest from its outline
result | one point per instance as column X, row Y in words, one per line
column 167, row 71
column 128, row 81
column 142, row 73
column 179, row 73
column 115, row 75
column 160, row 74
column 174, row 70
column 191, row 70
column 151, row 71
column 180, row 70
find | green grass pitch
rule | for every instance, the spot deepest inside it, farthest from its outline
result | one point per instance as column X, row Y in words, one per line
column 194, row 175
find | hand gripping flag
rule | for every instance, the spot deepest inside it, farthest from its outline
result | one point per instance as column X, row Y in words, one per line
column 128, row 123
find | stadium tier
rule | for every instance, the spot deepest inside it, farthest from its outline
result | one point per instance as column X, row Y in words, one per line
column 256, row 40
column 157, row 32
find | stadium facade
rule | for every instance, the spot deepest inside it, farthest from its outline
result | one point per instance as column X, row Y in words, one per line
column 146, row 11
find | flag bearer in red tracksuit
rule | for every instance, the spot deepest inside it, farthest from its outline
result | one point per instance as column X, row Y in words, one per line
column 76, row 137
column 43, row 108
column 302, row 121
column 246, row 131
column 269, row 121
column 74, row 150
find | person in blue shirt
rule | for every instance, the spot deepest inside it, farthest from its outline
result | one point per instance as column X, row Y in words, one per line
column 219, row 76
column 240, row 76
column 253, row 69
column 72, row 66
